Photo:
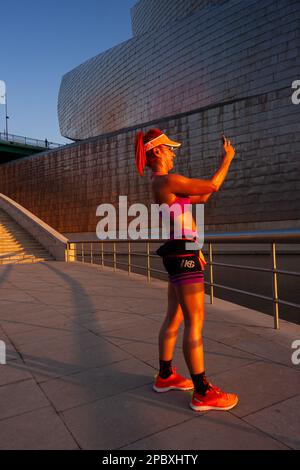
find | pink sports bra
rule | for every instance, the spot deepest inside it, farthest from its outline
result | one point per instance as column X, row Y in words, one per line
column 185, row 229
column 180, row 216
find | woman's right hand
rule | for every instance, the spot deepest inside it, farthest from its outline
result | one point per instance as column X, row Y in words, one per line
column 228, row 149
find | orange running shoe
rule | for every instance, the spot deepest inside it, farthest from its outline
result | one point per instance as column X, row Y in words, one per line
column 214, row 399
column 174, row 382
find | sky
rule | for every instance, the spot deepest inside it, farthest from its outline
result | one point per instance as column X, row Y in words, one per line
column 41, row 41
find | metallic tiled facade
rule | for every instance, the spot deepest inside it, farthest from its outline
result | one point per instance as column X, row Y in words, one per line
column 151, row 15
column 224, row 51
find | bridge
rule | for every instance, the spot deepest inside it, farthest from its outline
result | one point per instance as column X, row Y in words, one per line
column 13, row 146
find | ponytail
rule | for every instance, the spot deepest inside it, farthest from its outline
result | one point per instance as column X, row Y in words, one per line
column 140, row 154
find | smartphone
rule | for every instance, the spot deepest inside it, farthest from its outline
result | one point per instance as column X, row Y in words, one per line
column 223, row 138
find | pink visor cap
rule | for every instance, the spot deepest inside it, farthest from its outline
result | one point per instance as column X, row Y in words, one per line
column 161, row 140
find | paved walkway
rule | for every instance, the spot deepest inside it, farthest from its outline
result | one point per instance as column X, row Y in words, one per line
column 82, row 352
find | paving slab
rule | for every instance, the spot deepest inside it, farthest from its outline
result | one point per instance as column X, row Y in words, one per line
column 46, row 333
column 14, row 295
column 259, row 385
column 245, row 339
column 14, row 371
column 37, row 430
column 24, row 325
column 20, row 397
column 16, row 310
column 147, row 349
column 126, row 324
column 55, row 358
column 281, row 421
column 212, row 431
column 219, row 358
column 139, row 331
column 116, row 421
column 88, row 386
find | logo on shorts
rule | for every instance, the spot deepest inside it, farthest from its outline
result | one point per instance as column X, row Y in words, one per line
column 186, row 263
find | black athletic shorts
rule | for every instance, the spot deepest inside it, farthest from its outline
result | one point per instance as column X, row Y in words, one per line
column 183, row 267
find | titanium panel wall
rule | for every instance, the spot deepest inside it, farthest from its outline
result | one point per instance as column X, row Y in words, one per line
column 224, row 52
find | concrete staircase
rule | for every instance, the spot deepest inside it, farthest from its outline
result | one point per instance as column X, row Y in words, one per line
column 17, row 245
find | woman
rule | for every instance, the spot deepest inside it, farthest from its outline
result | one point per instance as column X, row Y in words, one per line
column 185, row 268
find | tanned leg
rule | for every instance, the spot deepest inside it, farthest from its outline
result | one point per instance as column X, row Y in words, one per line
column 169, row 329
column 191, row 300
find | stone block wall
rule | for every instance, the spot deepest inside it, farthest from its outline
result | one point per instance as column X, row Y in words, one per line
column 262, row 191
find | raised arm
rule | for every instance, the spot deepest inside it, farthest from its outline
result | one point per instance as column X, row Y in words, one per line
column 178, row 184
column 220, row 175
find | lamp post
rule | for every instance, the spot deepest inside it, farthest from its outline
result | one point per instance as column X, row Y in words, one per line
column 3, row 100
column 6, row 116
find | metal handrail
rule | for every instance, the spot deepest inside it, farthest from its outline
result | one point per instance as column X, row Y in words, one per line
column 292, row 236
column 19, row 139
column 255, row 268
